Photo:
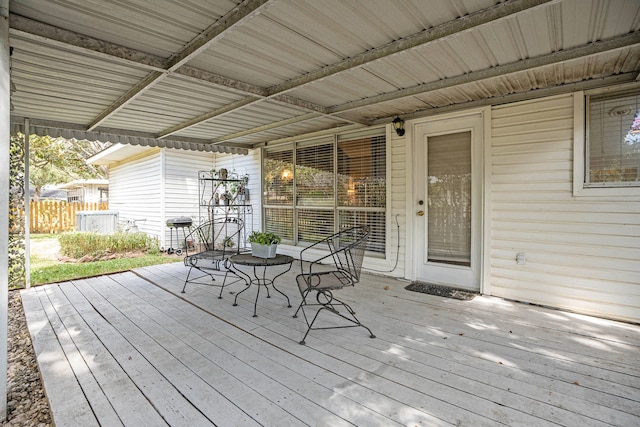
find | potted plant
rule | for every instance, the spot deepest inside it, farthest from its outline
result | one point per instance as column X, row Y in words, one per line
column 264, row 244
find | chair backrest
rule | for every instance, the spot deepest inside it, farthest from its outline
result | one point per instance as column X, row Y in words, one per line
column 347, row 248
column 220, row 235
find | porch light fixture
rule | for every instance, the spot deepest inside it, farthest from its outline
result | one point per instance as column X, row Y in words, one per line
column 398, row 125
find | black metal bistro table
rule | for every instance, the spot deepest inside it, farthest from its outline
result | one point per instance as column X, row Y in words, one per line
column 260, row 267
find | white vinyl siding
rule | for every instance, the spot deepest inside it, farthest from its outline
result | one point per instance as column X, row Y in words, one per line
column 396, row 220
column 582, row 254
column 134, row 191
column 156, row 186
column 181, row 186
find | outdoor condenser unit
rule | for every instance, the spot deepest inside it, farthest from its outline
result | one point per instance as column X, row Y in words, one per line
column 97, row 221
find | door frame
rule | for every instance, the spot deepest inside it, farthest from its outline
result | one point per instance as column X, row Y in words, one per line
column 481, row 234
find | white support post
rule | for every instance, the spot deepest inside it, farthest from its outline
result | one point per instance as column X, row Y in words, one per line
column 27, row 205
column 5, row 111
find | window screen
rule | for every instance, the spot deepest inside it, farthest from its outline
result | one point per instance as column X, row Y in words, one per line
column 613, row 140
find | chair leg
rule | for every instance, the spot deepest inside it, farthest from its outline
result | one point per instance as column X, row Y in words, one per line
column 329, row 304
column 186, row 280
column 303, row 302
column 213, row 279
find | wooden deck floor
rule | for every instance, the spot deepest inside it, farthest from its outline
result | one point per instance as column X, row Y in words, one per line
column 129, row 349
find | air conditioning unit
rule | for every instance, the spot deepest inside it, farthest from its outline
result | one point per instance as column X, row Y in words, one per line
column 97, row 221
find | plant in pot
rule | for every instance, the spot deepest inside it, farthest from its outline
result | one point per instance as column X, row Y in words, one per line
column 264, row 244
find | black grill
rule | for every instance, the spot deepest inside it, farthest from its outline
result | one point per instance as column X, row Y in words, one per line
column 179, row 222
column 182, row 221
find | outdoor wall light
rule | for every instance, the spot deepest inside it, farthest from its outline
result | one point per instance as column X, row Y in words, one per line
column 398, row 125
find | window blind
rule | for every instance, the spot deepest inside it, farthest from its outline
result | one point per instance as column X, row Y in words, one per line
column 449, row 198
column 613, row 141
column 280, row 221
column 314, row 225
column 339, row 182
column 278, row 177
column 315, row 175
column 362, row 172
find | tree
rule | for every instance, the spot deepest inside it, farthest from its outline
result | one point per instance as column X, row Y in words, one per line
column 59, row 160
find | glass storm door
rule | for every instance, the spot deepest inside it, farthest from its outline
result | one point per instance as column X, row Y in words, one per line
column 448, row 201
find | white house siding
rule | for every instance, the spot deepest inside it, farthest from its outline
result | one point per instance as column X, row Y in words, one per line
column 181, row 187
column 396, row 207
column 135, row 190
column 582, row 253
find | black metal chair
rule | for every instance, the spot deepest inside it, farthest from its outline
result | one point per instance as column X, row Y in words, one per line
column 321, row 276
column 208, row 248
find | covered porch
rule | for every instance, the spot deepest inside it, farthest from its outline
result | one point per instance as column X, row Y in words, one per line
column 130, row 349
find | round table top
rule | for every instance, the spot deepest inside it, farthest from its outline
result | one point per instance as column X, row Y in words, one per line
column 248, row 259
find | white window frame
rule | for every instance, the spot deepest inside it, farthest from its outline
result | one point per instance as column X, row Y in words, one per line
column 579, row 149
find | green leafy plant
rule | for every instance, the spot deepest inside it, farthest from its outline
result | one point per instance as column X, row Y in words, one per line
column 264, row 238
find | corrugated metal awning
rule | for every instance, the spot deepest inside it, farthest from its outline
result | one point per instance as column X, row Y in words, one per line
column 234, row 74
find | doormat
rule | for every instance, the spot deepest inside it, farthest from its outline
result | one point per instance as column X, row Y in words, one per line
column 441, row 291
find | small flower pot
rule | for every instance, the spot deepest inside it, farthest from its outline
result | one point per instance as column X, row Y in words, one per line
column 263, row 251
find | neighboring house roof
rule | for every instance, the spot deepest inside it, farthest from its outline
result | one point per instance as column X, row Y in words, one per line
column 49, row 194
column 83, row 182
column 116, row 153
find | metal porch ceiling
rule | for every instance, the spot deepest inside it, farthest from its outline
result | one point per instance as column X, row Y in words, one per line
column 238, row 73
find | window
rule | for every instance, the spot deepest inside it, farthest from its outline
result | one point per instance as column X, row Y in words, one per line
column 315, row 188
column 612, row 152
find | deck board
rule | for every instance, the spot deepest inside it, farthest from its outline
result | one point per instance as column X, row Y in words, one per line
column 137, row 351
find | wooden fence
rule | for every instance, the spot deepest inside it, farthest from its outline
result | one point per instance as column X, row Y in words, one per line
column 53, row 216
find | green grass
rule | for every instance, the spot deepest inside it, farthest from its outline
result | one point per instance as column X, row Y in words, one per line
column 46, row 271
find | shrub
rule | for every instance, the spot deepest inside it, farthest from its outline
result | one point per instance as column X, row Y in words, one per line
column 77, row 245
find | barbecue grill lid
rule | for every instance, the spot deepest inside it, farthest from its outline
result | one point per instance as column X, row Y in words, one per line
column 183, row 221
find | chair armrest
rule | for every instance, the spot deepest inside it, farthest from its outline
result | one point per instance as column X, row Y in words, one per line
column 315, row 262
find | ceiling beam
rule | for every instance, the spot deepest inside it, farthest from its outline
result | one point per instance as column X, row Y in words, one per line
column 71, row 41
column 485, row 16
column 446, row 29
column 208, row 116
column 239, row 15
column 525, row 64
column 146, row 83
column 618, row 79
column 273, row 125
column 74, row 42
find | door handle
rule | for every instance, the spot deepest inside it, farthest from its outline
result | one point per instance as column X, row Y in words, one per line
column 420, row 213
